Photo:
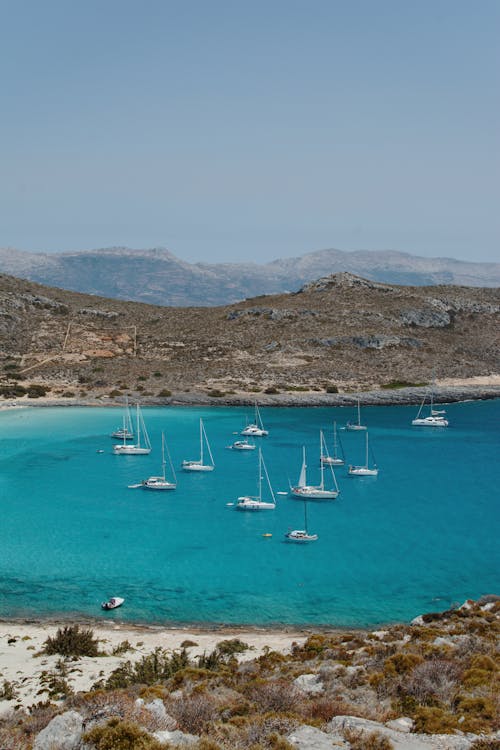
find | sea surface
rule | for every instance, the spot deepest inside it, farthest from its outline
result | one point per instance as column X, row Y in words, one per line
column 421, row 536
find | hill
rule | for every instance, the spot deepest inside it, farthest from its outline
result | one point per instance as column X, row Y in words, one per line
column 159, row 277
column 341, row 332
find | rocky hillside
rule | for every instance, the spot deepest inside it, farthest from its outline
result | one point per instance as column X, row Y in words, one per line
column 341, row 332
column 159, row 277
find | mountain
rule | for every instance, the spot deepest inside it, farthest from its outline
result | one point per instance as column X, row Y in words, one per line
column 159, row 277
column 340, row 331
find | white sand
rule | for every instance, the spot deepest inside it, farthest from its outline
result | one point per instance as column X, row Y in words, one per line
column 22, row 664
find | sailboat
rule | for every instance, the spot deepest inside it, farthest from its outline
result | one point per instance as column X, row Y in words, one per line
column 435, row 418
column 125, row 432
column 315, row 492
column 356, row 425
column 161, row 482
column 199, row 465
column 301, row 535
column 363, row 471
column 255, row 502
column 242, row 445
column 256, row 429
column 336, row 459
column 139, row 448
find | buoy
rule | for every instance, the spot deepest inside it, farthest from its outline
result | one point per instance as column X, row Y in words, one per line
column 266, row 535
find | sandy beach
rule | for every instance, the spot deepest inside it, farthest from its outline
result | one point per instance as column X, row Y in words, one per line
column 22, row 664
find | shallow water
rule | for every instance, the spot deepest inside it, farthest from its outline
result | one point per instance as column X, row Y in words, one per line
column 421, row 536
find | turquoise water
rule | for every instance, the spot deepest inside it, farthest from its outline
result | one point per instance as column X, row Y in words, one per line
column 421, row 536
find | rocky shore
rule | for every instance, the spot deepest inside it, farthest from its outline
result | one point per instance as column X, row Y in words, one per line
column 443, row 394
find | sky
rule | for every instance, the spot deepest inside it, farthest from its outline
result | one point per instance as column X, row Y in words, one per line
column 249, row 131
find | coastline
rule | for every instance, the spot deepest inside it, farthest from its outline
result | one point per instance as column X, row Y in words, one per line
column 445, row 391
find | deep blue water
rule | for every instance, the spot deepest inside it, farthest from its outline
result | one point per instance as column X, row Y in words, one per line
column 421, row 536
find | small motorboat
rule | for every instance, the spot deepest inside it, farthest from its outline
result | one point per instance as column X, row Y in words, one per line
column 113, row 603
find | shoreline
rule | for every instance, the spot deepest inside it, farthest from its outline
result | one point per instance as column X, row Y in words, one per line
column 445, row 392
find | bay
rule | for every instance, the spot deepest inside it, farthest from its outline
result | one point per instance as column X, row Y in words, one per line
column 421, row 536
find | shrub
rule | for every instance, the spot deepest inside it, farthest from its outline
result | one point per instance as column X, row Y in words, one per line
column 331, row 389
column 150, row 669
column 121, row 735
column 401, row 384
column 114, row 393
column 367, row 741
column 35, row 391
column 276, row 695
column 70, row 394
column 164, row 393
column 433, row 680
column 71, row 641
column 233, row 646
column 271, row 390
column 194, row 712
column 216, row 393
column 8, row 691
column 434, row 720
column 12, row 391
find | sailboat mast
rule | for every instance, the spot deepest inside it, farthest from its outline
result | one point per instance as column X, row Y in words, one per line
column 163, row 464
column 366, row 462
column 201, row 441
column 260, row 474
column 138, row 426
column 359, row 414
column 321, row 466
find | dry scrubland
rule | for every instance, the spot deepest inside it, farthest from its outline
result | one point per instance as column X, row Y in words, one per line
column 340, row 333
column 442, row 673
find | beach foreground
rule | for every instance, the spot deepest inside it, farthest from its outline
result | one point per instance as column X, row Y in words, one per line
column 428, row 685
column 22, row 662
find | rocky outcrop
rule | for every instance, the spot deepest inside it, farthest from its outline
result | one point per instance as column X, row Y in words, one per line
column 64, row 732
column 401, row 738
column 425, row 318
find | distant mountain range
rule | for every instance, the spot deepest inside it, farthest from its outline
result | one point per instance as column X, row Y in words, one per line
column 158, row 277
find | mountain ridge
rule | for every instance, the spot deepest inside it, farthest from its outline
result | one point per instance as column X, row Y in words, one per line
column 157, row 276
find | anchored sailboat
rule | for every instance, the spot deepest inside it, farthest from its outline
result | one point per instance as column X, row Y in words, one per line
column 125, row 432
column 199, row 465
column 315, row 492
column 301, row 535
column 336, row 459
column 363, row 471
column 356, row 425
column 142, row 447
column 435, row 418
column 256, row 429
column 255, row 502
column 161, row 482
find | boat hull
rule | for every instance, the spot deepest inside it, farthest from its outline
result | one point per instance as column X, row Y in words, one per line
column 196, row 466
column 355, row 427
column 300, row 536
column 430, row 422
column 361, row 471
column 158, row 484
column 253, row 504
column 329, row 461
column 130, row 450
column 254, row 431
column 313, row 493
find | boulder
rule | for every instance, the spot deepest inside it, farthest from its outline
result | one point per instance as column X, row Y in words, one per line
column 399, row 739
column 310, row 738
column 64, row 732
column 176, row 738
column 309, row 683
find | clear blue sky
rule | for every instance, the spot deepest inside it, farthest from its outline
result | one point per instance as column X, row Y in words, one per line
column 237, row 130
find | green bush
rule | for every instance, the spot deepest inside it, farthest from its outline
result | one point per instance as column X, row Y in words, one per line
column 35, row 391
column 71, row 641
column 121, row 735
column 331, row 389
column 164, row 393
column 271, row 390
column 150, row 669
